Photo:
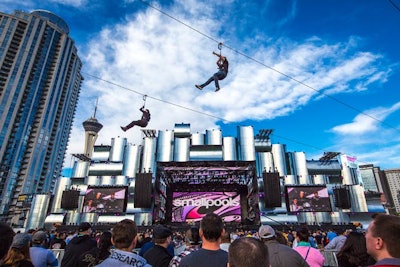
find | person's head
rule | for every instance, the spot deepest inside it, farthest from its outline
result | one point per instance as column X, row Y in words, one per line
column 124, row 235
column 316, row 194
column 98, row 195
column 383, row 237
column 247, row 252
column 211, row 227
column 303, row 234
column 266, row 232
column 6, row 239
column 301, row 194
column 85, row 228
column 39, row 238
column 90, row 202
column 192, row 236
column 354, row 249
column 112, row 195
column 294, row 201
column 104, row 242
column 162, row 235
column 19, row 249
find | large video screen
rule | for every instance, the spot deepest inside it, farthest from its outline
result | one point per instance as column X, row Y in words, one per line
column 307, row 198
column 193, row 206
column 105, row 199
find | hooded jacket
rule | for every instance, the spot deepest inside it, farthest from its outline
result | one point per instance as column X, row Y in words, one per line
column 75, row 248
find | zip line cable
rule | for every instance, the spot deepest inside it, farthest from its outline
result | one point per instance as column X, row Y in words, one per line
column 394, row 5
column 275, row 70
column 154, row 98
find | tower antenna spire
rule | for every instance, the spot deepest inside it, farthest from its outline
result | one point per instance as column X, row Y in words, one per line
column 95, row 108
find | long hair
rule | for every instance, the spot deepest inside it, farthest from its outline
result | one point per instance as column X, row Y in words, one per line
column 15, row 256
column 354, row 251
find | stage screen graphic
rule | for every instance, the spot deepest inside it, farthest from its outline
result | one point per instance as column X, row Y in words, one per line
column 193, row 206
column 105, row 199
column 307, row 198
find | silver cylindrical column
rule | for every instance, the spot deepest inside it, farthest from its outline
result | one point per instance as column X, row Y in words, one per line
column 117, row 149
column 165, row 141
column 80, row 168
column 300, row 164
column 319, row 179
column 38, row 211
column 181, row 149
column 290, row 179
column 229, row 149
column 132, row 160
column 93, row 180
column 278, row 152
column 121, row 180
column 213, row 137
column 197, row 139
column 107, row 180
column 149, row 154
column 265, row 162
column 247, row 151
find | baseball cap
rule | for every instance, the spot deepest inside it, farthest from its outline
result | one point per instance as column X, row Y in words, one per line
column 20, row 241
column 39, row 237
column 266, row 231
column 84, row 227
column 160, row 232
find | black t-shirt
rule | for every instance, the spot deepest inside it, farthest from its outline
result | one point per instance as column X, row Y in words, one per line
column 157, row 256
column 205, row 257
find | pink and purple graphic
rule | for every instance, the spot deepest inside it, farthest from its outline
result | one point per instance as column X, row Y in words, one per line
column 193, row 206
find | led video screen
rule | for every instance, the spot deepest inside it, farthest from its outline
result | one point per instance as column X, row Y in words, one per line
column 193, row 206
column 105, row 199
column 307, row 199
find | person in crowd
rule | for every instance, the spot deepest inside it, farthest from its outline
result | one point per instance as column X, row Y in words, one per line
column 193, row 243
column 58, row 242
column 124, row 238
column 6, row 238
column 337, row 242
column 88, row 207
column 144, row 120
column 312, row 255
column 210, row 254
column 40, row 255
column 354, row 252
column 382, row 239
column 70, row 236
column 78, row 245
column 223, row 66
column 148, row 245
column 280, row 237
column 248, row 252
column 294, row 205
column 99, row 202
column 330, row 236
column 279, row 255
column 113, row 204
column 97, row 254
column 225, row 241
column 158, row 255
column 18, row 255
column 145, row 237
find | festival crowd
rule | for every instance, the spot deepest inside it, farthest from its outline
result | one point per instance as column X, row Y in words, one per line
column 206, row 245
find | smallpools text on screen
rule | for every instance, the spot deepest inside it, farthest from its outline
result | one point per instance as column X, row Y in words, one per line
column 204, row 202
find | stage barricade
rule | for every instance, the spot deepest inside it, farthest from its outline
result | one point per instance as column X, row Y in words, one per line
column 330, row 258
column 59, row 253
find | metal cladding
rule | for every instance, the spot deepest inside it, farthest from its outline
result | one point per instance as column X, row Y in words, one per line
column 121, row 180
column 149, row 153
column 213, row 137
column 38, row 211
column 300, row 166
column 247, row 151
column 93, row 180
column 358, row 202
column 132, row 160
column 278, row 152
column 323, row 217
column 165, row 147
column 107, row 180
column 347, row 177
column 265, row 162
column 181, row 149
column 80, row 168
column 182, row 130
column 229, row 150
column 319, row 179
column 290, row 179
column 210, row 153
column 61, row 185
column 197, row 139
column 73, row 217
column 117, row 149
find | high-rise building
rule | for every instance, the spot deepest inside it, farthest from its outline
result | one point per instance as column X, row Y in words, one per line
column 40, row 81
column 393, row 180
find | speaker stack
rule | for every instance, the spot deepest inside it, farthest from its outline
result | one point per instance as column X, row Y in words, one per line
column 143, row 190
column 272, row 189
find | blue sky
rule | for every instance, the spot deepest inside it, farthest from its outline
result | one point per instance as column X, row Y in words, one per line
column 323, row 74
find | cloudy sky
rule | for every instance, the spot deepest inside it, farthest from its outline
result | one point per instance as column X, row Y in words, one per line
column 324, row 75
